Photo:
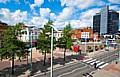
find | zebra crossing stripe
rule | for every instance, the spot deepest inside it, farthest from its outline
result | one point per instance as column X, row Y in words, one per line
column 87, row 60
column 91, row 61
column 103, row 65
column 94, row 62
column 100, row 64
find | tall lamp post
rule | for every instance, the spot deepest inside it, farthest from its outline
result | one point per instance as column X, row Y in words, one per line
column 30, row 39
column 85, row 45
column 118, row 52
column 118, row 43
column 94, row 41
column 53, row 28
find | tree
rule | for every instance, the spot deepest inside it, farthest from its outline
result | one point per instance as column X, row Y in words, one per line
column 65, row 41
column 12, row 47
column 89, row 49
column 44, row 42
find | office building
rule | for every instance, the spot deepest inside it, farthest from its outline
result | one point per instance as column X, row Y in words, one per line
column 106, row 22
column 96, row 23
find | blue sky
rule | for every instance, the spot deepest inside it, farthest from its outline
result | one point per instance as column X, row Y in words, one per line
column 37, row 12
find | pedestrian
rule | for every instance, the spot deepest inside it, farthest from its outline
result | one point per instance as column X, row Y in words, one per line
column 95, row 65
column 116, row 62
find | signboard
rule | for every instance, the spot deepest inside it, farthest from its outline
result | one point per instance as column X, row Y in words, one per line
column 75, row 48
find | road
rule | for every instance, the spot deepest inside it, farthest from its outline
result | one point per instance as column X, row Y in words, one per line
column 81, row 67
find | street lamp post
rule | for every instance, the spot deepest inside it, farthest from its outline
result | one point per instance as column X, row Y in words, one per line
column 94, row 42
column 118, row 52
column 85, row 46
column 30, row 39
column 52, row 53
column 31, row 53
column 53, row 28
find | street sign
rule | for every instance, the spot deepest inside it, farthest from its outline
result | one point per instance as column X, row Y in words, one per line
column 75, row 48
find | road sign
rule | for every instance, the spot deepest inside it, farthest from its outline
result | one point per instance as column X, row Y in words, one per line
column 75, row 48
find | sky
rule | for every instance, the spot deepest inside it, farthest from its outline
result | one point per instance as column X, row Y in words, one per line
column 79, row 13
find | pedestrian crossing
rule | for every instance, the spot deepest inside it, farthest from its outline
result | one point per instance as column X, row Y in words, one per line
column 92, row 61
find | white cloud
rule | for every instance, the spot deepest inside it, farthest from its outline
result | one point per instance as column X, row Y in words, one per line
column 87, row 17
column 4, row 1
column 17, row 1
column 74, row 24
column 44, row 12
column 116, row 8
column 82, row 4
column 32, row 6
column 119, row 14
column 37, row 21
column 114, row 1
column 53, row 16
column 37, row 3
column 19, row 16
column 13, row 17
column 65, row 14
column 89, row 13
column 5, row 12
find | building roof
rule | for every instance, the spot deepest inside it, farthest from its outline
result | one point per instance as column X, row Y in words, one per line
column 2, row 23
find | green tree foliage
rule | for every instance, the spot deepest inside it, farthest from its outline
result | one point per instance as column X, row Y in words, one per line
column 44, row 41
column 65, row 41
column 12, row 47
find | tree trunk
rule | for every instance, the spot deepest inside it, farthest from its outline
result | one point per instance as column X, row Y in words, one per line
column 27, row 58
column 12, row 63
column 44, row 58
column 64, row 54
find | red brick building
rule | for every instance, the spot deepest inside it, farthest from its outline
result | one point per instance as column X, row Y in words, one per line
column 84, row 33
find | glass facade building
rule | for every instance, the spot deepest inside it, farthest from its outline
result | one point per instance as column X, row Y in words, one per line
column 96, row 23
column 106, row 22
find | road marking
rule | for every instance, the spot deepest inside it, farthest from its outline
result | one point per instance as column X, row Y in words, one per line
column 55, row 69
column 99, row 64
column 104, row 65
column 94, row 62
column 83, row 61
column 87, row 60
column 91, row 61
column 71, row 71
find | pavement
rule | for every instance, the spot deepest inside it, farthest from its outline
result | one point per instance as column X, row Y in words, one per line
column 112, row 70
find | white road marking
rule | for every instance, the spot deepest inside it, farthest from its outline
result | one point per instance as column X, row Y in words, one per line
column 55, row 69
column 104, row 65
column 87, row 60
column 95, row 62
column 100, row 64
column 71, row 71
column 91, row 61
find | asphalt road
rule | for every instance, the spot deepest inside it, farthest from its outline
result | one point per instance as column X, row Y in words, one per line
column 79, row 68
